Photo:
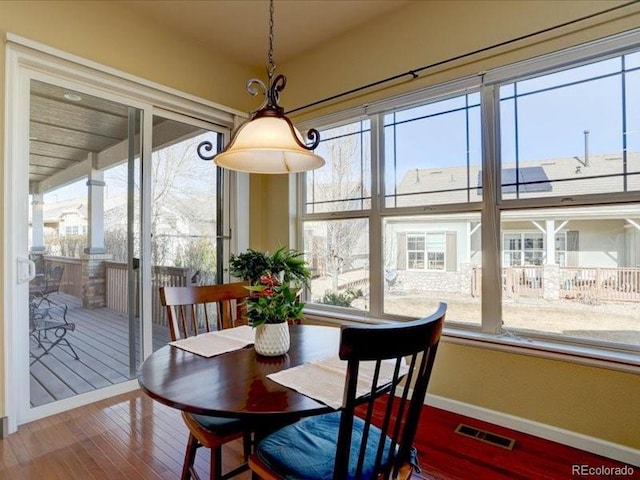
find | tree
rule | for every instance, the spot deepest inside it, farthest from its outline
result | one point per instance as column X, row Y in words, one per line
column 183, row 203
column 341, row 185
column 66, row 245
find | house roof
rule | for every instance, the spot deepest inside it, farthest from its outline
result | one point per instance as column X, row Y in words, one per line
column 565, row 176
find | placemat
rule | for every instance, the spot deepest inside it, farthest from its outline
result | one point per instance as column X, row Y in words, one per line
column 323, row 380
column 217, row 343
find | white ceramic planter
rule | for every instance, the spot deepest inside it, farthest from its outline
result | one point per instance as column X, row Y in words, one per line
column 272, row 339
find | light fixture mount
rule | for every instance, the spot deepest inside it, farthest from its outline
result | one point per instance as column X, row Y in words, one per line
column 268, row 142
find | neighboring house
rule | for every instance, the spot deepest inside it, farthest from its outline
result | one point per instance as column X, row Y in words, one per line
column 443, row 253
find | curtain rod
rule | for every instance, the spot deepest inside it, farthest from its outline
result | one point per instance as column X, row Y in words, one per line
column 414, row 73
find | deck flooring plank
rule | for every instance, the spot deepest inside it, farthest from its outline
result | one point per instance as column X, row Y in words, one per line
column 77, row 372
column 100, row 364
column 98, row 341
column 50, row 381
column 38, row 394
column 101, row 341
column 67, row 370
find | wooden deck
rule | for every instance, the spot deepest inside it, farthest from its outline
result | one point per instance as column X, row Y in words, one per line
column 101, row 341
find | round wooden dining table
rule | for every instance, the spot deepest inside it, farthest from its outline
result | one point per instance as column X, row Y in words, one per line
column 235, row 384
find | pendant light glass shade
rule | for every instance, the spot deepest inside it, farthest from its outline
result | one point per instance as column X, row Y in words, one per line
column 266, row 145
column 268, row 142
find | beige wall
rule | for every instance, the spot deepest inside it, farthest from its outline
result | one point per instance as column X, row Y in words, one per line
column 592, row 401
column 107, row 33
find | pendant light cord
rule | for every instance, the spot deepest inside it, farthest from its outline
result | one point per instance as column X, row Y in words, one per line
column 414, row 73
column 272, row 66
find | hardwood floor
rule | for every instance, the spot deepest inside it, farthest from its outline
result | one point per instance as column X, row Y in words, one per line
column 134, row 438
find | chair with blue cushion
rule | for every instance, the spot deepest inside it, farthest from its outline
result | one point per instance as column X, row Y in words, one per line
column 190, row 311
column 371, row 437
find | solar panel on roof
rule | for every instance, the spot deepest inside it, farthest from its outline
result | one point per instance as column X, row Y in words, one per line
column 530, row 179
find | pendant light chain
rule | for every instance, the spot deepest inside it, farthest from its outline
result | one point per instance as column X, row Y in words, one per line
column 272, row 65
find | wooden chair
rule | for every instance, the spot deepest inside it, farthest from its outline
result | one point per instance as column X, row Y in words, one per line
column 190, row 311
column 378, row 441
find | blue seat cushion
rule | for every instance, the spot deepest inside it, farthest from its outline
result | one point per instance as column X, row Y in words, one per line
column 307, row 449
column 219, row 425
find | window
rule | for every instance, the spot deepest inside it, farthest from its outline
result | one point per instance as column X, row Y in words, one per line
column 344, row 183
column 564, row 132
column 424, row 258
column 336, row 237
column 529, row 249
column 432, row 153
column 416, row 252
column 565, row 210
column 425, row 251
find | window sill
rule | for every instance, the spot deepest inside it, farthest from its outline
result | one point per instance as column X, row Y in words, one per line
column 628, row 362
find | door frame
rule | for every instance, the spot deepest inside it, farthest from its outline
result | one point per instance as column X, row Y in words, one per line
column 25, row 60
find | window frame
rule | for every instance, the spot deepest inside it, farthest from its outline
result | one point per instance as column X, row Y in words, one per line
column 492, row 206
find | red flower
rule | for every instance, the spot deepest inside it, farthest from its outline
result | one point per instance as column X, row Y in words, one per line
column 267, row 292
column 268, row 280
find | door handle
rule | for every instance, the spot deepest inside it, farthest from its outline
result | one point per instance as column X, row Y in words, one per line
column 30, row 267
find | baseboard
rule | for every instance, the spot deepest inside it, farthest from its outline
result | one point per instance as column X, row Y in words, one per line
column 598, row 446
column 4, row 427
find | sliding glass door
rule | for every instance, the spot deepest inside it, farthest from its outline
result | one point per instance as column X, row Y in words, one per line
column 107, row 200
column 84, row 223
column 185, row 212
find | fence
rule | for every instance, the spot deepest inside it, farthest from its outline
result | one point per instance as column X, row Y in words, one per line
column 613, row 284
column 593, row 284
column 516, row 281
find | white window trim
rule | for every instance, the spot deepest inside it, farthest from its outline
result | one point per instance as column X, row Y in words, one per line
column 493, row 207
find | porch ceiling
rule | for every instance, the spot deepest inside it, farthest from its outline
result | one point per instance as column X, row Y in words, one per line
column 71, row 132
column 63, row 132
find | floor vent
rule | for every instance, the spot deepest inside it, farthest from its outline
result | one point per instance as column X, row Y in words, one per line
column 484, row 436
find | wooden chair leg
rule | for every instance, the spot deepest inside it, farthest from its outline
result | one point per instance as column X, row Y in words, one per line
column 216, row 463
column 189, row 457
column 246, row 445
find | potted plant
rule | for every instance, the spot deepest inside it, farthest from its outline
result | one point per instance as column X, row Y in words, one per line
column 275, row 283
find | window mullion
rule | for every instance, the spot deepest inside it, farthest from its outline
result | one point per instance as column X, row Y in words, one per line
column 376, row 240
column 490, row 227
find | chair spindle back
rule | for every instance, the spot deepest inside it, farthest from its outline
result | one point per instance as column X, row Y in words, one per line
column 190, row 310
column 395, row 414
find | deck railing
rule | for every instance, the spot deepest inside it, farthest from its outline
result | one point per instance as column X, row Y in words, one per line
column 117, row 293
column 116, row 290
column 71, row 281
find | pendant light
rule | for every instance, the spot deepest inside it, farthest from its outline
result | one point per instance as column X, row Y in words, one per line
column 268, row 142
